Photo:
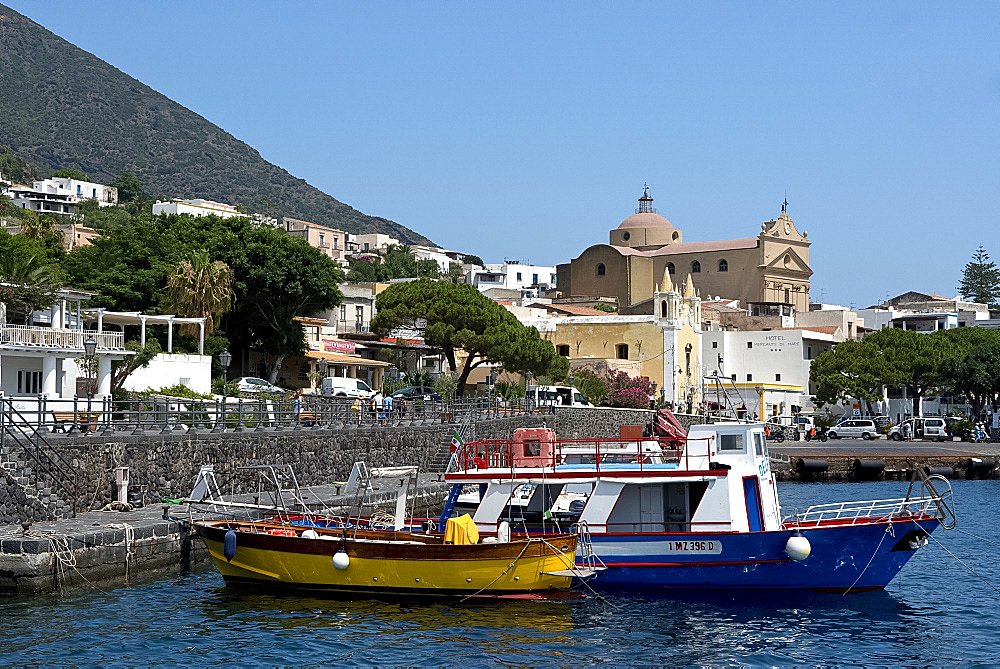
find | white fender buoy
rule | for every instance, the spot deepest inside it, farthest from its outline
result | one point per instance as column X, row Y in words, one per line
column 310, row 534
column 341, row 560
column 798, row 547
column 503, row 533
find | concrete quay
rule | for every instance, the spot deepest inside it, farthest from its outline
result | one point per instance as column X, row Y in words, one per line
column 107, row 548
column 859, row 460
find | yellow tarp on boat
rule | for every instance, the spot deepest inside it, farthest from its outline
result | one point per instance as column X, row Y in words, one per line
column 461, row 531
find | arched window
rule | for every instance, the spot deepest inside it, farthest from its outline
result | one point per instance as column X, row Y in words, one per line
column 627, row 236
column 674, row 236
column 670, row 267
column 723, row 266
column 600, row 269
column 663, row 308
column 695, row 267
column 621, row 351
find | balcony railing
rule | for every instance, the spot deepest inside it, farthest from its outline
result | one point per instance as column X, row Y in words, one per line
column 36, row 337
column 353, row 326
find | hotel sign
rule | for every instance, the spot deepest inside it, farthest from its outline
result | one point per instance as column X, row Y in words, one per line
column 333, row 346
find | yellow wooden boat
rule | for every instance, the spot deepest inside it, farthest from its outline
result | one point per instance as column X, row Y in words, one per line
column 387, row 562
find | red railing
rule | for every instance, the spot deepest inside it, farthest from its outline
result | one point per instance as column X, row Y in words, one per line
column 499, row 453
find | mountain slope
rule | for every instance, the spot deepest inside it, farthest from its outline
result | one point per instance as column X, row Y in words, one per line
column 61, row 107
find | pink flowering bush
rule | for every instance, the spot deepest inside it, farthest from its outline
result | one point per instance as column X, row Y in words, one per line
column 628, row 392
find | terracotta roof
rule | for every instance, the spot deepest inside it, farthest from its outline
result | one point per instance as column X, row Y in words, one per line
column 574, row 310
column 645, row 219
column 699, row 247
column 825, row 329
column 627, row 250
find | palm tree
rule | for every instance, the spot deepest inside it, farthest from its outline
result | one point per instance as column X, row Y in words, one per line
column 29, row 284
column 199, row 288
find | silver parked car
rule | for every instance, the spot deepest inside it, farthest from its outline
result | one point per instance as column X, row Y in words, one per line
column 863, row 428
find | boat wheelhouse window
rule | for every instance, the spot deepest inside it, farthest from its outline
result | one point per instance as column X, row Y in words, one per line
column 730, row 442
column 758, row 441
column 532, row 448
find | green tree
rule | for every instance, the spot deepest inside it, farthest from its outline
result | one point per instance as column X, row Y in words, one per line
column 593, row 385
column 102, row 218
column 852, row 370
column 363, row 270
column 473, row 260
column 275, row 277
column 31, row 284
column 972, row 366
column 199, row 288
column 42, row 228
column 606, row 308
column 69, row 174
column 129, row 187
column 980, row 279
column 910, row 359
column 457, row 317
column 121, row 369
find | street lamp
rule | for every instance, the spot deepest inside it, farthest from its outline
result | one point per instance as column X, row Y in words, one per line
column 224, row 359
column 324, row 368
column 89, row 353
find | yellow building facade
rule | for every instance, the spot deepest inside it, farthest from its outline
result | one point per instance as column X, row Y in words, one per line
column 663, row 347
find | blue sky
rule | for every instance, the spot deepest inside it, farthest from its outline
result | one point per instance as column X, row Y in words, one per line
column 526, row 130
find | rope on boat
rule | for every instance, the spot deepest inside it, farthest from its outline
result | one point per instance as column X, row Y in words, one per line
column 887, row 530
column 501, row 574
column 975, row 536
column 973, row 571
column 598, row 596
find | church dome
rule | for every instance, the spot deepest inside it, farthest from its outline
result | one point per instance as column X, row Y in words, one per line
column 645, row 219
column 645, row 229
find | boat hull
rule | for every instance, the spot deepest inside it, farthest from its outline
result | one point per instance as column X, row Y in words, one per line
column 842, row 558
column 386, row 565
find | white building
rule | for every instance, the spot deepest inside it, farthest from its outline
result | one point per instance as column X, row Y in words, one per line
column 513, row 275
column 440, row 256
column 196, row 207
column 41, row 358
column 765, row 371
column 61, row 195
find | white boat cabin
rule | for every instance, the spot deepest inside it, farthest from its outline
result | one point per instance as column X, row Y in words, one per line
column 719, row 480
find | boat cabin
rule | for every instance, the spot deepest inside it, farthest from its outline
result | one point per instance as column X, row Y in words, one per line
column 718, row 480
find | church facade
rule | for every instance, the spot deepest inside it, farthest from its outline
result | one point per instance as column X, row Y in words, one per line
column 772, row 267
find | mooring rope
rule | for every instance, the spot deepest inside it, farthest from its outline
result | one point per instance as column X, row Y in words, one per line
column 599, row 597
column 973, row 571
column 887, row 531
column 503, row 573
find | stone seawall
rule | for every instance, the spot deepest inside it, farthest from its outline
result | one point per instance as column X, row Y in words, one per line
column 165, row 466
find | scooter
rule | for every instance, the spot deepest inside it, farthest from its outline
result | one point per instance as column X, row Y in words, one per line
column 820, row 436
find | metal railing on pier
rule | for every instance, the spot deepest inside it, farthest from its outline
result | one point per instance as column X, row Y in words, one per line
column 161, row 414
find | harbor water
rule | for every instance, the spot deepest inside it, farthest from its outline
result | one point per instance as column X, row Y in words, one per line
column 935, row 612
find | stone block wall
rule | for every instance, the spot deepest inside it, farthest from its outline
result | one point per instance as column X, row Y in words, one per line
column 165, row 465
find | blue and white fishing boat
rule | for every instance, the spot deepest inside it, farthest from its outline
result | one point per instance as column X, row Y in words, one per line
column 697, row 510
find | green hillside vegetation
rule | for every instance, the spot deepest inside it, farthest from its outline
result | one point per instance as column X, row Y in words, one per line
column 64, row 108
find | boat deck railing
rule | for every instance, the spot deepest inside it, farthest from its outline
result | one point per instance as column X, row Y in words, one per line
column 646, row 453
column 863, row 512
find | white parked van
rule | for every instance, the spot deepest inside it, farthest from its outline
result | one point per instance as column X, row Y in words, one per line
column 556, row 395
column 344, row 386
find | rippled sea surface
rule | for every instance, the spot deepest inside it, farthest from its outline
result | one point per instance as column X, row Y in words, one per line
column 935, row 613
